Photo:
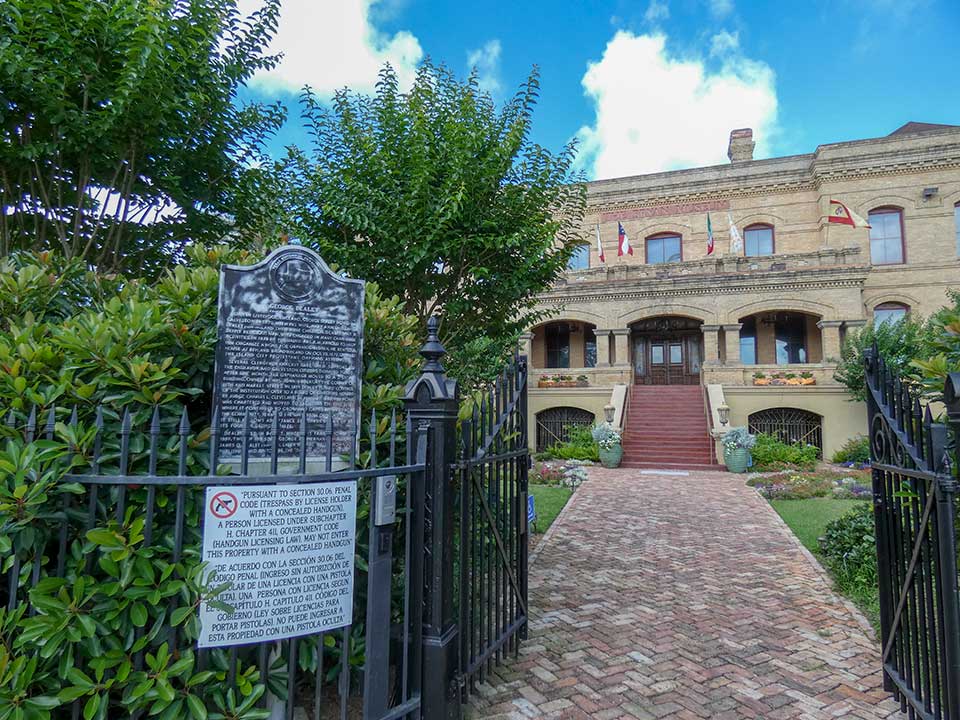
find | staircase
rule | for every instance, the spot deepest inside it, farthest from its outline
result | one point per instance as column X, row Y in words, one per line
column 667, row 428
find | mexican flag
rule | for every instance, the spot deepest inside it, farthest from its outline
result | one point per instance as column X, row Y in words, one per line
column 709, row 236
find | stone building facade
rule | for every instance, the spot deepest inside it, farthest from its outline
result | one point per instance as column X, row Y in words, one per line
column 672, row 314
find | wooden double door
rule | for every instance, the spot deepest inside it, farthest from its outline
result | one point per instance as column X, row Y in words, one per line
column 667, row 355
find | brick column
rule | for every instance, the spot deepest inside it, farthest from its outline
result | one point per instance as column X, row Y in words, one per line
column 603, row 347
column 621, row 354
column 711, row 344
column 830, row 339
column 526, row 347
column 731, row 343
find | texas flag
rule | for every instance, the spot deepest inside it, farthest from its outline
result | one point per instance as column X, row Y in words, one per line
column 623, row 247
column 840, row 213
column 600, row 246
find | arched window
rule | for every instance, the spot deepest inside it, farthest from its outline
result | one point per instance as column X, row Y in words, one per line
column 886, row 236
column 889, row 312
column 758, row 240
column 554, row 424
column 664, row 248
column 580, row 260
column 789, row 425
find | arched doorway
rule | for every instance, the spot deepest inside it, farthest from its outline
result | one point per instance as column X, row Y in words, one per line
column 667, row 350
column 789, row 425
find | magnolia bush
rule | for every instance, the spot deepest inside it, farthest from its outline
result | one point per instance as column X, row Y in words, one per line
column 115, row 630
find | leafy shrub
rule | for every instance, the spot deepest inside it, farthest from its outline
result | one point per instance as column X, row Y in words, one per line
column 134, row 347
column 579, row 446
column 848, row 548
column 855, row 450
column 770, row 453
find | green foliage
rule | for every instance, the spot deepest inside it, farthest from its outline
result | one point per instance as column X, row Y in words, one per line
column 739, row 437
column 849, row 550
column 942, row 352
column 855, row 450
column 121, row 135
column 580, row 445
column 440, row 197
column 102, row 632
column 899, row 343
column 769, row 453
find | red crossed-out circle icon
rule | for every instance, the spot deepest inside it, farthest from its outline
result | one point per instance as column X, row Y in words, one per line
column 224, row 505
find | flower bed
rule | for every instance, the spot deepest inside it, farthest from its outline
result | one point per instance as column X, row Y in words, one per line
column 854, row 485
column 563, row 381
column 804, row 378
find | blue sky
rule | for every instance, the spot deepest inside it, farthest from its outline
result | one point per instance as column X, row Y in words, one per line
column 651, row 85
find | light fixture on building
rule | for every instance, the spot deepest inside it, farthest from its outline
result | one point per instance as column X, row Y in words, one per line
column 723, row 412
column 929, row 192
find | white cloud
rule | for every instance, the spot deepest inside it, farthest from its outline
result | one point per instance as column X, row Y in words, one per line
column 657, row 112
column 335, row 43
column 486, row 60
column 657, row 10
column 724, row 42
column 721, row 8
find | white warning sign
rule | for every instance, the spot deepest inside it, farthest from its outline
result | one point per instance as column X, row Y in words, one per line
column 287, row 551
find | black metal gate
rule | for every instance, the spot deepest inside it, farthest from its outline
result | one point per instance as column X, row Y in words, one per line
column 127, row 505
column 493, row 468
column 915, row 468
column 553, row 425
column 133, row 493
column 789, row 425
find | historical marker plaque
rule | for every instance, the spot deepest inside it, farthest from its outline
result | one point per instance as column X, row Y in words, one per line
column 290, row 338
column 287, row 552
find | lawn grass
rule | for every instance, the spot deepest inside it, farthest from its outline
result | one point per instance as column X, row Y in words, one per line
column 548, row 501
column 808, row 518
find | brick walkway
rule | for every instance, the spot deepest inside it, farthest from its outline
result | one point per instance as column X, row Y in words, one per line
column 682, row 597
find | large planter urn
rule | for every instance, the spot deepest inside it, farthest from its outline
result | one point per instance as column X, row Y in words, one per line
column 611, row 458
column 736, row 460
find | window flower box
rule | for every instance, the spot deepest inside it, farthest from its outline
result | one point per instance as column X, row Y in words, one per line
column 785, row 379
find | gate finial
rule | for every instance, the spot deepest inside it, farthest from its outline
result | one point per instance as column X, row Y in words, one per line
column 432, row 349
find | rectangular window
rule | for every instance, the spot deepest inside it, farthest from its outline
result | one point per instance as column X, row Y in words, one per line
column 656, row 354
column 748, row 342
column 676, row 354
column 558, row 345
column 665, row 249
column 791, row 337
column 580, row 260
column 886, row 237
column 758, row 241
column 956, row 224
column 590, row 350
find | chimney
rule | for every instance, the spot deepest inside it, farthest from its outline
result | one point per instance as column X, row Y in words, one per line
column 741, row 145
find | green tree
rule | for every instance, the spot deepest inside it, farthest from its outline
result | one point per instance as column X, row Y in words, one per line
column 439, row 195
column 121, row 136
column 899, row 343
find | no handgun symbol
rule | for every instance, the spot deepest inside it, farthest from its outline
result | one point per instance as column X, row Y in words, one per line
column 224, row 505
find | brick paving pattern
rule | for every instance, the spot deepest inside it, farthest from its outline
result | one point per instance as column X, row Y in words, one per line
column 682, row 597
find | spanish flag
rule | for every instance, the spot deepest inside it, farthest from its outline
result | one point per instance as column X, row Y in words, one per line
column 840, row 213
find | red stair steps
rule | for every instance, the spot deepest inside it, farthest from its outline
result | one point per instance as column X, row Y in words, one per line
column 667, row 429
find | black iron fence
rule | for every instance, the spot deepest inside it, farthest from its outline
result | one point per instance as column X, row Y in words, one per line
column 492, row 560
column 127, row 518
column 131, row 520
column 915, row 487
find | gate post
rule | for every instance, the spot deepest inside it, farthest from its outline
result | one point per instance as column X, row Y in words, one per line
column 946, row 519
column 433, row 400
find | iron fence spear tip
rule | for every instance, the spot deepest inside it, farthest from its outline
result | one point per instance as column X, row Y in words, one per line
column 127, row 422
column 184, row 421
column 155, row 421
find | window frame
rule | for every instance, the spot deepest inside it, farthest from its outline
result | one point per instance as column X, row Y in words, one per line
column 890, row 210
column 586, row 249
column 956, row 225
column 760, row 226
column 559, row 328
column 890, row 305
column 661, row 236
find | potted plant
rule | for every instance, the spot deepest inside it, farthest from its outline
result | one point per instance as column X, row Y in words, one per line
column 807, row 378
column 737, row 444
column 582, row 381
column 607, row 438
column 760, row 379
column 791, row 379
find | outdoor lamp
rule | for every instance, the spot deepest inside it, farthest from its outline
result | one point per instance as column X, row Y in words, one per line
column 723, row 412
